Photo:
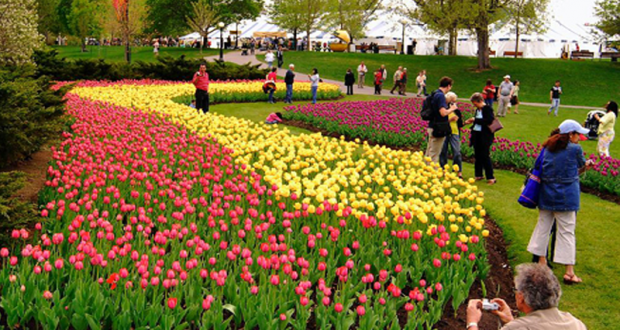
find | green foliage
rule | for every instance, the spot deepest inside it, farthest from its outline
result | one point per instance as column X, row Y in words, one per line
column 13, row 212
column 84, row 19
column 608, row 11
column 165, row 68
column 31, row 114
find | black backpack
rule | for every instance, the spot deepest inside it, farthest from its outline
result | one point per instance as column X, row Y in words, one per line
column 427, row 108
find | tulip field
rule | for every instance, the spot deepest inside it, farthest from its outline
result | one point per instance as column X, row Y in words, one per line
column 397, row 122
column 158, row 217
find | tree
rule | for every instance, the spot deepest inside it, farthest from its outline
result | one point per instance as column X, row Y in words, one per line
column 128, row 17
column 85, row 20
column 18, row 31
column 287, row 14
column 49, row 21
column 608, row 12
column 351, row 15
column 312, row 15
column 202, row 18
column 525, row 15
column 444, row 17
column 169, row 17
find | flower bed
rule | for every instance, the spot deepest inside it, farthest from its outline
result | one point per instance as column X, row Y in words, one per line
column 397, row 122
column 167, row 218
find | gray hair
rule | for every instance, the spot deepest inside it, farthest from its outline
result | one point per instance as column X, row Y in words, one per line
column 291, row 65
column 539, row 286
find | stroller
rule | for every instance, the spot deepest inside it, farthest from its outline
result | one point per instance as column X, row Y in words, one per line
column 592, row 124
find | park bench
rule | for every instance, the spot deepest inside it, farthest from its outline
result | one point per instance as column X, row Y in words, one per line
column 581, row 54
column 512, row 54
column 492, row 53
column 614, row 56
column 388, row 48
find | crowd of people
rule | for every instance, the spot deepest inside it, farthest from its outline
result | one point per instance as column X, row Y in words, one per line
column 380, row 76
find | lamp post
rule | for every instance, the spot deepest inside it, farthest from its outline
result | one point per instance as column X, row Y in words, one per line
column 402, row 47
column 221, row 26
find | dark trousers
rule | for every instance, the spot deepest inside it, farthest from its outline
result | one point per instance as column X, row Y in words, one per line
column 202, row 100
column 403, row 88
column 483, row 160
column 396, row 86
column 378, row 89
column 349, row 89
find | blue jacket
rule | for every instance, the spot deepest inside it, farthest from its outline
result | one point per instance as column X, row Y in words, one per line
column 560, row 179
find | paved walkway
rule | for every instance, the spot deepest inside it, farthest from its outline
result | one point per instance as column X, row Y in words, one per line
column 236, row 57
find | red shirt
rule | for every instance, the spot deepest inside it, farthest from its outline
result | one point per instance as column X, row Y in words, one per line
column 489, row 92
column 378, row 78
column 202, row 81
column 272, row 76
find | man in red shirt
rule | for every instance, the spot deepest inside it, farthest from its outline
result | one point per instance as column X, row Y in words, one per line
column 201, row 81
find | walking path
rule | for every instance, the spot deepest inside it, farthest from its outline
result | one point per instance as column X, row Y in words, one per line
column 235, row 57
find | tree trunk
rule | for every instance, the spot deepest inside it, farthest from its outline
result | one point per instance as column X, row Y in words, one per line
column 453, row 42
column 295, row 39
column 517, row 41
column 482, row 34
column 127, row 49
column 202, row 44
column 309, row 48
column 83, row 45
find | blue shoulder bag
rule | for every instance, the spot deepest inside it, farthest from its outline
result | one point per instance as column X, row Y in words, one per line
column 531, row 190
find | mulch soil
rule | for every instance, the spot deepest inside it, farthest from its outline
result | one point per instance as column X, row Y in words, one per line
column 301, row 124
column 36, row 172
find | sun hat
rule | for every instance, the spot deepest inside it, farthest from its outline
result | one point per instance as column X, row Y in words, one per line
column 569, row 126
column 507, row 76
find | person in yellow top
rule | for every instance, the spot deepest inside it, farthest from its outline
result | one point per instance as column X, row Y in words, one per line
column 454, row 139
column 606, row 128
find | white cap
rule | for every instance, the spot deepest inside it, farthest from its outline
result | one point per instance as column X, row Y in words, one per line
column 569, row 126
column 507, row 76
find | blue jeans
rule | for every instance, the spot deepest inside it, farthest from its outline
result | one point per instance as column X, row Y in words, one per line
column 314, row 89
column 555, row 104
column 488, row 102
column 454, row 141
column 269, row 64
column 289, row 93
column 271, row 91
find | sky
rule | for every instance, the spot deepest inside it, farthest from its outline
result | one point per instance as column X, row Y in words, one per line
column 580, row 11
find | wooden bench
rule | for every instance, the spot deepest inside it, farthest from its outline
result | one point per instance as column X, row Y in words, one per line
column 581, row 54
column 614, row 56
column 388, row 48
column 492, row 53
column 512, row 54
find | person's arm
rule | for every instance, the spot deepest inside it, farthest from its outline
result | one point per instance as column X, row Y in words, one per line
column 504, row 312
column 551, row 95
column 474, row 314
column 512, row 90
column 208, row 82
column 195, row 78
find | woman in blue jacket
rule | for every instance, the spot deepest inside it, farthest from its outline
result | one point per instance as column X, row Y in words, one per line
column 563, row 161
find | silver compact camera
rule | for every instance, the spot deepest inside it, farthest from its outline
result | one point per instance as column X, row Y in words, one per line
column 489, row 306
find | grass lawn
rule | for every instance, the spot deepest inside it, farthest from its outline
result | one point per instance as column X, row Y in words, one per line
column 532, row 124
column 590, row 83
column 117, row 53
column 596, row 301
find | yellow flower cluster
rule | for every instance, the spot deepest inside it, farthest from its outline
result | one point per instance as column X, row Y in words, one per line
column 373, row 180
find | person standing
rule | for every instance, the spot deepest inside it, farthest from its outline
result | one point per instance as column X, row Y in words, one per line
column 554, row 97
column 314, row 83
column 421, row 83
column 403, row 83
column 489, row 93
column 271, row 82
column 289, row 79
column 562, row 162
column 441, row 111
column 384, row 75
column 361, row 75
column 505, row 93
column 280, row 56
column 397, row 77
column 378, row 81
column 156, row 48
column 514, row 101
column 269, row 59
column 201, row 82
column 482, row 138
column 453, row 140
column 349, row 80
column 252, row 46
column 606, row 132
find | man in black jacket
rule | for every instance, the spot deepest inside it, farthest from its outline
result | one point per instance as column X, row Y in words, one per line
column 280, row 57
column 289, row 79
